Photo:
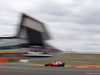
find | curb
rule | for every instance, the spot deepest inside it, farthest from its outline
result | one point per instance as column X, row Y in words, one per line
column 82, row 66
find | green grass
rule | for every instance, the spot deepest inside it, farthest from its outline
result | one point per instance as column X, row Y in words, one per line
column 79, row 55
column 97, row 63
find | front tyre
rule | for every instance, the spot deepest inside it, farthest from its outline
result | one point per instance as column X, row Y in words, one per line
column 63, row 64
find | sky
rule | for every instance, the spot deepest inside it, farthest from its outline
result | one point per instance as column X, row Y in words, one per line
column 73, row 25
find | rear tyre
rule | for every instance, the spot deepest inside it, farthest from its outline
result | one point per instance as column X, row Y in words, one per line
column 46, row 65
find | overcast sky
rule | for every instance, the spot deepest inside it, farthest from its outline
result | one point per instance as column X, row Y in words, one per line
column 72, row 24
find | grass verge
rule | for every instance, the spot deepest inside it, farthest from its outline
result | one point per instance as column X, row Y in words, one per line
column 79, row 55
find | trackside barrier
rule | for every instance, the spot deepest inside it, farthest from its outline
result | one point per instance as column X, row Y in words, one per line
column 24, row 60
column 13, row 60
column 10, row 59
column 2, row 60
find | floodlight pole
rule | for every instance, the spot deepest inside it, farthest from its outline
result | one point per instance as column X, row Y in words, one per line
column 45, row 49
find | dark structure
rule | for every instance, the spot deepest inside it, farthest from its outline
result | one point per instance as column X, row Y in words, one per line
column 33, row 31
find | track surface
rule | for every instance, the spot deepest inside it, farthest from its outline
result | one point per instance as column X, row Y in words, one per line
column 21, row 69
column 62, row 59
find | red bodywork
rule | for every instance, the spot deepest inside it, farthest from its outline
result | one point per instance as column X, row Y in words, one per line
column 54, row 64
column 58, row 64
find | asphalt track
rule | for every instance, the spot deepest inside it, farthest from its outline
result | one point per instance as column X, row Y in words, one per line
column 23, row 69
column 62, row 59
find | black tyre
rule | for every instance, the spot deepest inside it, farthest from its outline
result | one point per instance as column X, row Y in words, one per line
column 46, row 65
column 51, row 65
column 63, row 64
column 58, row 65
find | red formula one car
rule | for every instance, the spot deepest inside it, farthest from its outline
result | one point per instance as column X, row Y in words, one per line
column 58, row 64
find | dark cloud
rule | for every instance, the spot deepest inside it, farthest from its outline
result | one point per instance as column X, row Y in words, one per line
column 53, row 9
column 89, row 16
column 56, row 12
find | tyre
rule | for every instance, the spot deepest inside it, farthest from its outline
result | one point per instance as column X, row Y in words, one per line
column 63, row 64
column 58, row 65
column 46, row 65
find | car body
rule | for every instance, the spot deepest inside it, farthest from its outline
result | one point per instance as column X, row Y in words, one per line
column 58, row 64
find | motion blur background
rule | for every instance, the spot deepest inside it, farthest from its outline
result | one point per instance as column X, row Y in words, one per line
column 72, row 24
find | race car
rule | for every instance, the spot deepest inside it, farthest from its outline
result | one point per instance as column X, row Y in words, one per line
column 58, row 64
